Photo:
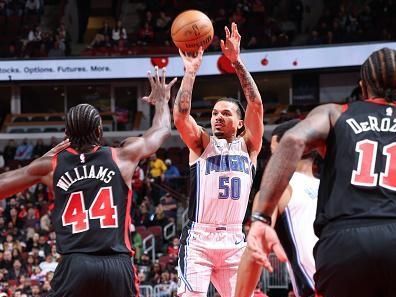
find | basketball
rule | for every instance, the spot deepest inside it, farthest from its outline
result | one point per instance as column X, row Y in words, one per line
column 192, row 29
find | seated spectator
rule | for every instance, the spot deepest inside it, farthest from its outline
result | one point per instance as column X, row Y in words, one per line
column 154, row 276
column 15, row 7
column 173, row 248
column 170, row 286
column 144, row 263
column 48, row 265
column 9, row 151
column 156, row 168
column 34, row 34
column 160, row 219
column 119, row 32
column 56, row 51
column 171, row 173
column 169, row 206
column 16, row 270
column 39, row 149
column 24, row 151
column 137, row 183
column 145, row 34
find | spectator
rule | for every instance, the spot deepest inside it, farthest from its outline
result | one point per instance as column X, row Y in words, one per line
column 24, row 151
column 39, row 149
column 145, row 34
column 156, row 168
column 173, row 248
column 48, row 265
column 34, row 34
column 169, row 206
column 137, row 183
column 118, row 33
column 16, row 270
column 171, row 171
column 9, row 151
column 12, row 52
column 56, row 51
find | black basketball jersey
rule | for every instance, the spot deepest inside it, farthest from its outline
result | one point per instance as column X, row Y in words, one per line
column 358, row 180
column 92, row 203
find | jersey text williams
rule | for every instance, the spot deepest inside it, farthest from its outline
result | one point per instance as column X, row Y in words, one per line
column 84, row 172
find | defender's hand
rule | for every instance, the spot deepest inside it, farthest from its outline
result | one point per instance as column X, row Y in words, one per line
column 261, row 241
column 159, row 89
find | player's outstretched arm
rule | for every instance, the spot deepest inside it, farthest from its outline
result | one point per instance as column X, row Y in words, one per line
column 304, row 137
column 39, row 170
column 136, row 148
column 192, row 134
column 254, row 125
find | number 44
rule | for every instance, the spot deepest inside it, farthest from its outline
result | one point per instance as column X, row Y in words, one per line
column 102, row 208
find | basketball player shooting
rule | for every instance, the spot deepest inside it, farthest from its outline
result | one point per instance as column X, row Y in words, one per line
column 93, row 198
column 222, row 168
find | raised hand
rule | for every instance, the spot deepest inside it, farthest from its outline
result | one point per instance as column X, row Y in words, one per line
column 160, row 91
column 192, row 62
column 58, row 148
column 261, row 241
column 231, row 46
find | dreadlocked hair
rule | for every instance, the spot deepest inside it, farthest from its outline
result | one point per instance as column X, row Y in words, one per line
column 81, row 122
column 379, row 73
column 240, row 111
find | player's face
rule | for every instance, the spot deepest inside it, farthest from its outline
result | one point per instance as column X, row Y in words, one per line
column 225, row 120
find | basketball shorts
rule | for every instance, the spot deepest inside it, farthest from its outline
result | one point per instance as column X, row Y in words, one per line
column 87, row 275
column 209, row 253
column 356, row 261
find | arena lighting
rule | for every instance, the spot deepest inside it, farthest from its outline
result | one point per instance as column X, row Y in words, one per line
column 135, row 67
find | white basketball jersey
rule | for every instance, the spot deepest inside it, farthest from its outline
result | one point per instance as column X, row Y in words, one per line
column 221, row 180
column 297, row 235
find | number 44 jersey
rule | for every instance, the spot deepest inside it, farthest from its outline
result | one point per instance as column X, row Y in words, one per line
column 92, row 203
column 221, row 181
column 358, row 181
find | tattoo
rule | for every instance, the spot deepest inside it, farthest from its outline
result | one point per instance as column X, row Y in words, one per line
column 184, row 96
column 183, row 101
column 249, row 87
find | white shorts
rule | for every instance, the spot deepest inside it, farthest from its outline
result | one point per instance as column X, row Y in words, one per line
column 209, row 253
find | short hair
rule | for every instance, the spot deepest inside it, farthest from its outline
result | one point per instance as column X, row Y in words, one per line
column 240, row 110
column 81, row 122
column 281, row 129
column 379, row 73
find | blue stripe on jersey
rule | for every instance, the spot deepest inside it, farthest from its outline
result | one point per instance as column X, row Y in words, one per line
column 301, row 281
column 197, row 190
column 298, row 267
column 184, row 240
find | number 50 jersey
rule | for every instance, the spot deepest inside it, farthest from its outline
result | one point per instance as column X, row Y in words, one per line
column 92, row 203
column 221, row 180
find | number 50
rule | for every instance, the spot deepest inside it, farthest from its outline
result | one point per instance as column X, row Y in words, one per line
column 231, row 188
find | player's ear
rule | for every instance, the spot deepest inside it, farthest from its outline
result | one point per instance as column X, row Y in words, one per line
column 363, row 86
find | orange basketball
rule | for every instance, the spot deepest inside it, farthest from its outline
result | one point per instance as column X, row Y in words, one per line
column 192, row 29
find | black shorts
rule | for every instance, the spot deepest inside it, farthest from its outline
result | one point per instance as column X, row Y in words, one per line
column 357, row 261
column 87, row 275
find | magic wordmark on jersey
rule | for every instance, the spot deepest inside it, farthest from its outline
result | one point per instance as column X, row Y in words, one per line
column 225, row 163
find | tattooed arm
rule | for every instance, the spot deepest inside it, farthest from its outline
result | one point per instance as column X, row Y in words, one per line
column 192, row 134
column 254, row 125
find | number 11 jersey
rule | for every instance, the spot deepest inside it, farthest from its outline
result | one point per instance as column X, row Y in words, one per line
column 92, row 203
column 221, row 180
column 358, row 180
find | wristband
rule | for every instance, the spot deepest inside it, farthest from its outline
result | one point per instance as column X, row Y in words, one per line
column 261, row 217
